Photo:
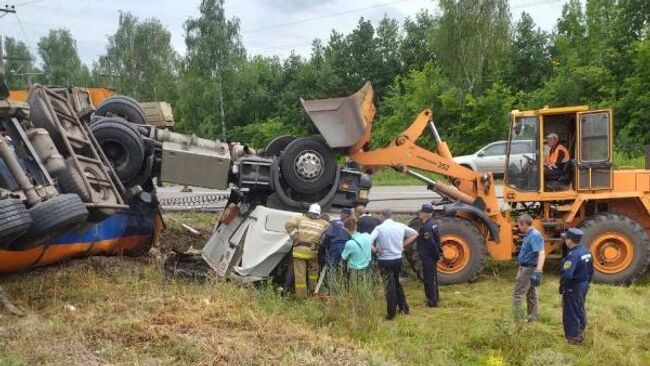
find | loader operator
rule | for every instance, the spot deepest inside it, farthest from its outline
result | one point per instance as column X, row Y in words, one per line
column 306, row 232
column 577, row 268
column 557, row 158
column 428, row 247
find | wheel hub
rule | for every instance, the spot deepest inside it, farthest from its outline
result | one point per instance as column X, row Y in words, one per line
column 309, row 165
column 455, row 254
column 613, row 252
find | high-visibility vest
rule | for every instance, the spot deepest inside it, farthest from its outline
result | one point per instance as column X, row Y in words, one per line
column 555, row 154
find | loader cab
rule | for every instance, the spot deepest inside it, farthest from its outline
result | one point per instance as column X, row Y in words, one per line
column 582, row 136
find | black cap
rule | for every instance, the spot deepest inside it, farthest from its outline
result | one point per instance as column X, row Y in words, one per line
column 574, row 234
column 427, row 208
column 346, row 211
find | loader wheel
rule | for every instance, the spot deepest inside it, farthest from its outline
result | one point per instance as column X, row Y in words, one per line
column 70, row 181
column 308, row 165
column 53, row 218
column 14, row 220
column 124, row 107
column 463, row 252
column 122, row 144
column 620, row 247
column 277, row 145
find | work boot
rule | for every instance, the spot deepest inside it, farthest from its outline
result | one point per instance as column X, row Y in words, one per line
column 576, row 340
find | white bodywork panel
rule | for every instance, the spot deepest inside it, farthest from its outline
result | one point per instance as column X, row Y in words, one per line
column 251, row 246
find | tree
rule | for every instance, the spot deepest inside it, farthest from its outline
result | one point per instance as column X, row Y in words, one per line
column 214, row 57
column 61, row 63
column 530, row 59
column 19, row 64
column 471, row 41
column 634, row 106
column 140, row 60
column 416, row 48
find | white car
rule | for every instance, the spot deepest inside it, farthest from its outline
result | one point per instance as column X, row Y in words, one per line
column 492, row 157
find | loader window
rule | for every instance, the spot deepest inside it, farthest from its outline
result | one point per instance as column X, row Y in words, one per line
column 594, row 130
column 523, row 155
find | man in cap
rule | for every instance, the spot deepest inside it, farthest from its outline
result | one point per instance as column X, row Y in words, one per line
column 529, row 275
column 575, row 276
column 390, row 238
column 306, row 232
column 428, row 247
column 333, row 243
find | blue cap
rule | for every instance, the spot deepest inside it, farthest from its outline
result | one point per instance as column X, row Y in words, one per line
column 427, row 208
column 574, row 234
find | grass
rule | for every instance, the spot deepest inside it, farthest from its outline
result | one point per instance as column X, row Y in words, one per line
column 128, row 311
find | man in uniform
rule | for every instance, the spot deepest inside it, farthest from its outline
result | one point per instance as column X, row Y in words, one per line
column 306, row 232
column 575, row 275
column 529, row 275
column 428, row 247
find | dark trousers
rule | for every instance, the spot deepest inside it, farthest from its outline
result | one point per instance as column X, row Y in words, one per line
column 395, row 297
column 430, row 278
column 574, row 316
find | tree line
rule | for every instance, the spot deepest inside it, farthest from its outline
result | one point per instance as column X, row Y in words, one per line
column 468, row 62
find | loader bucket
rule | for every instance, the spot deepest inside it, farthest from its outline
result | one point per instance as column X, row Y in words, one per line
column 342, row 121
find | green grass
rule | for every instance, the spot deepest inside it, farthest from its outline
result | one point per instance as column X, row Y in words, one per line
column 623, row 162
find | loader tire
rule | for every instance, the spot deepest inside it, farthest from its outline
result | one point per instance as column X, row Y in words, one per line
column 122, row 106
column 277, row 145
column 308, row 165
column 14, row 221
column 620, row 247
column 122, row 144
column 53, row 218
column 463, row 252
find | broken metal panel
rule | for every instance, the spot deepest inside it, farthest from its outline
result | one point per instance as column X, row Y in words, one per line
column 195, row 165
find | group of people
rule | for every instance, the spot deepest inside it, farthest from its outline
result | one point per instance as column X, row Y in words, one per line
column 356, row 237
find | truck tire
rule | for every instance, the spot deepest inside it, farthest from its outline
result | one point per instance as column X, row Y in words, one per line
column 14, row 221
column 124, row 107
column 122, row 144
column 620, row 247
column 70, row 181
column 277, row 145
column 53, row 218
column 463, row 252
column 308, row 165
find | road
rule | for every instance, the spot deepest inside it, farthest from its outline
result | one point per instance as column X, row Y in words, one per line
column 397, row 198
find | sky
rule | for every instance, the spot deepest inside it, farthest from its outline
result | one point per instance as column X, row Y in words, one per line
column 268, row 27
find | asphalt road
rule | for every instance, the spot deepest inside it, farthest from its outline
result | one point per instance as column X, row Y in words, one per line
column 397, row 198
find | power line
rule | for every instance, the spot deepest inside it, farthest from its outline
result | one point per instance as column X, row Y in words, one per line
column 30, row 2
column 324, row 16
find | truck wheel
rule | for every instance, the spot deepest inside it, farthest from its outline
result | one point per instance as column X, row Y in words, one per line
column 122, row 144
column 620, row 246
column 124, row 107
column 308, row 165
column 53, row 218
column 277, row 145
column 70, row 181
column 463, row 251
column 14, row 220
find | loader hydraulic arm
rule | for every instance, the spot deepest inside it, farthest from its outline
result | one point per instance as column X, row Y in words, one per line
column 403, row 154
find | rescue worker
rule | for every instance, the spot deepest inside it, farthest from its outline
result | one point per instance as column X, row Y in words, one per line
column 428, row 247
column 365, row 222
column 390, row 238
column 529, row 275
column 333, row 243
column 577, row 268
column 306, row 232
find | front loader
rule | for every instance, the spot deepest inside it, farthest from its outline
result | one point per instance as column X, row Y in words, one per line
column 612, row 207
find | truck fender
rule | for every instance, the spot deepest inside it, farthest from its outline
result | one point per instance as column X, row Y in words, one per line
column 453, row 209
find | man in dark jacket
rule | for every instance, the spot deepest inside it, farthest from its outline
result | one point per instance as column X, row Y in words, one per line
column 428, row 248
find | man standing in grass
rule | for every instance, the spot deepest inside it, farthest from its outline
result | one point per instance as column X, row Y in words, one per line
column 365, row 222
column 357, row 251
column 575, row 276
column 390, row 238
column 428, row 247
column 306, row 232
column 529, row 275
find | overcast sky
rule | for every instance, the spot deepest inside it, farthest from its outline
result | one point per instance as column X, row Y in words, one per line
column 268, row 27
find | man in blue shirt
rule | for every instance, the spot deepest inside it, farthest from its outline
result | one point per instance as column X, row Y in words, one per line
column 390, row 238
column 529, row 275
column 575, row 275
